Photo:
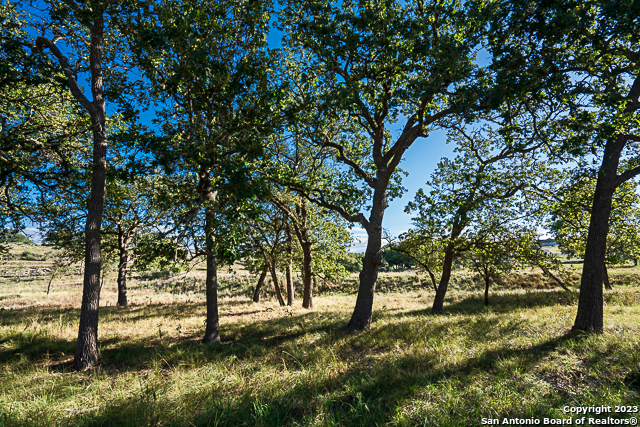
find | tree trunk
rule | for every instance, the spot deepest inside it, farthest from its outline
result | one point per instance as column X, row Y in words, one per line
column 276, row 286
column 456, row 230
column 486, row 288
column 362, row 312
column 86, row 355
column 607, row 284
column 122, row 268
column 122, row 277
column 433, row 279
column 302, row 233
column 438, row 301
column 289, row 269
column 307, row 275
column 290, row 289
column 212, row 330
column 256, row 293
column 590, row 315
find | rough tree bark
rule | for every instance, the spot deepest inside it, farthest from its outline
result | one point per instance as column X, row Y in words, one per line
column 362, row 312
column 212, row 330
column 86, row 355
column 307, row 274
column 590, row 316
column 605, row 271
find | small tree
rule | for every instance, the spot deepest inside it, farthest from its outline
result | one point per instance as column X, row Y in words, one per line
column 489, row 178
column 570, row 220
column 425, row 249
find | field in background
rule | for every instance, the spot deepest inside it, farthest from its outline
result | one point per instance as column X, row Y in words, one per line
column 290, row 366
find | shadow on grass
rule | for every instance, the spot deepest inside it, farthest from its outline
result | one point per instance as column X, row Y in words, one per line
column 503, row 302
column 32, row 347
column 132, row 313
column 364, row 394
column 239, row 341
column 371, row 385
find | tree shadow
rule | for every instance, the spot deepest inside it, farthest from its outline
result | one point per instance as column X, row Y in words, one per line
column 364, row 394
column 502, row 302
column 373, row 384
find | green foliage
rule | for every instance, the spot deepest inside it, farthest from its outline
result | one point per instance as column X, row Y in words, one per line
column 214, row 68
column 20, row 239
column 489, row 186
column 331, row 241
column 362, row 68
column 41, row 127
column 393, row 260
column 571, row 211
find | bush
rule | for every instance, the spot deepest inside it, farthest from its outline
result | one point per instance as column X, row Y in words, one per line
column 352, row 262
column 20, row 239
column 29, row 256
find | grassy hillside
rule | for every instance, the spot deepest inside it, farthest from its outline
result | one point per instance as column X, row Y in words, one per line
column 290, row 366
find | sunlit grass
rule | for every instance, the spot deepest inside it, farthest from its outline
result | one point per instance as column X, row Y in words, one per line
column 290, row 366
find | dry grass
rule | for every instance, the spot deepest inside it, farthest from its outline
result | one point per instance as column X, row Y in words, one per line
column 290, row 366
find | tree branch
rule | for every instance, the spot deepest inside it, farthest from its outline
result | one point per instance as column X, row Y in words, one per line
column 42, row 42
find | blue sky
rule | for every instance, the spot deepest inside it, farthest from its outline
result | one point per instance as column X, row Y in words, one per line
column 420, row 161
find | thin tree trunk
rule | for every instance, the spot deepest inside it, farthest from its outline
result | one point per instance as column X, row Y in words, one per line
column 256, row 292
column 456, row 230
column 486, row 288
column 590, row 316
column 122, row 279
column 86, row 354
column 307, row 276
column 433, row 279
column 302, row 233
column 289, row 269
column 276, row 286
column 438, row 301
column 553, row 276
column 122, row 269
column 212, row 330
column 290, row 289
column 52, row 277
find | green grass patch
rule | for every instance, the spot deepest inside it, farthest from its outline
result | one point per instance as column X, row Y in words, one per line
column 294, row 367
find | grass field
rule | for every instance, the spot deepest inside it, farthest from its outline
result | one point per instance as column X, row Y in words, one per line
column 289, row 366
